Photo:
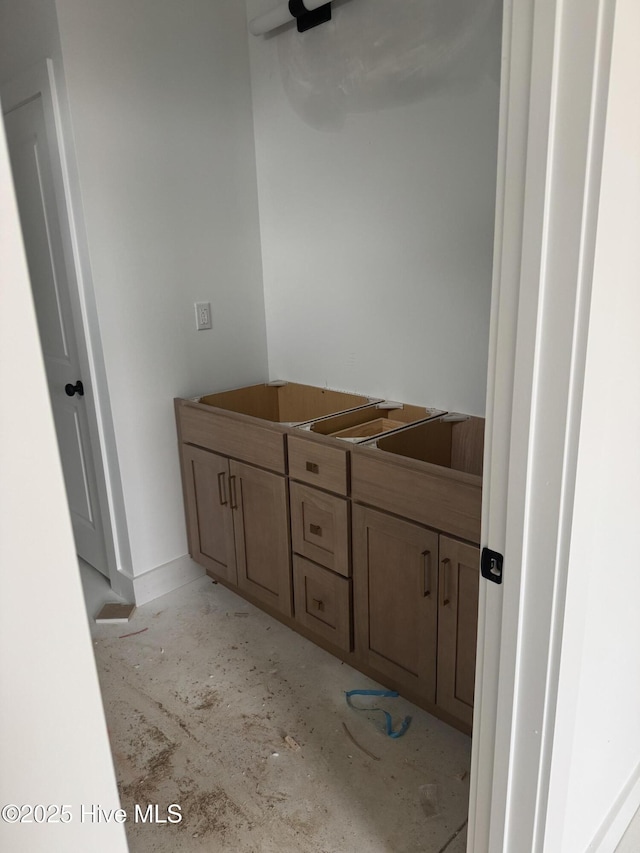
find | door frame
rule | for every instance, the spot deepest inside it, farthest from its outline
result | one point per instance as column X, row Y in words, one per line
column 554, row 90
column 39, row 81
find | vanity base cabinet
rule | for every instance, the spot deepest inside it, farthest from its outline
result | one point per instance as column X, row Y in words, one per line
column 354, row 548
column 395, row 597
column 459, row 578
column 416, row 609
column 205, row 477
column 238, row 525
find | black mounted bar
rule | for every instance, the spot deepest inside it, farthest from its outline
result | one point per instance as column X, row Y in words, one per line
column 306, row 20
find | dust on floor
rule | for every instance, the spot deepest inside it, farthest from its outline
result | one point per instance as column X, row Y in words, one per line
column 238, row 720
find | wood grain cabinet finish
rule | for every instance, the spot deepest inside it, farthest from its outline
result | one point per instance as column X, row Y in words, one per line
column 260, row 507
column 318, row 464
column 237, row 436
column 368, row 565
column 322, row 602
column 320, row 527
column 429, row 494
column 208, row 511
column 395, row 566
column 459, row 575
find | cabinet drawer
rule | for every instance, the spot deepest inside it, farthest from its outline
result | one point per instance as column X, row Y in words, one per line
column 430, row 494
column 320, row 527
column 322, row 602
column 232, row 436
column 318, row 464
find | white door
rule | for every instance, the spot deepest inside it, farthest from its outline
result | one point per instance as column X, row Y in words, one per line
column 42, row 228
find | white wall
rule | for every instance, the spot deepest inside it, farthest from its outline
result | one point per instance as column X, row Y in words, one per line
column 54, row 746
column 376, row 141
column 160, row 106
column 28, row 34
column 596, row 767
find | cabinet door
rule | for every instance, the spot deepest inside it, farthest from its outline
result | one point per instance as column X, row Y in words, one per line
column 459, row 575
column 208, row 511
column 261, row 527
column 395, row 590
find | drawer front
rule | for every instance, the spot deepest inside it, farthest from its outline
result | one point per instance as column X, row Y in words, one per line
column 440, row 498
column 318, row 464
column 320, row 527
column 250, row 442
column 322, row 602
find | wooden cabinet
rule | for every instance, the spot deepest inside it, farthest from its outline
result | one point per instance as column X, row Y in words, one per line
column 205, row 477
column 368, row 567
column 261, row 526
column 238, row 525
column 458, row 579
column 396, row 604
column 416, row 608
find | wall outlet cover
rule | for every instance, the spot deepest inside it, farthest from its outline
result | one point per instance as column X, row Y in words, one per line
column 203, row 315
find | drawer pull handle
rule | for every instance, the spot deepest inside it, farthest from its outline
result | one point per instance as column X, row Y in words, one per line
column 232, row 491
column 426, row 567
column 315, row 529
column 313, row 467
column 445, row 581
column 319, row 603
column 222, row 491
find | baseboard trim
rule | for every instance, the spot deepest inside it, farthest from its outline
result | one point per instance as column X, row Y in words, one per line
column 617, row 821
column 165, row 578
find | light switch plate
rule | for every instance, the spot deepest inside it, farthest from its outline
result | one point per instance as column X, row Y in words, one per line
column 203, row 315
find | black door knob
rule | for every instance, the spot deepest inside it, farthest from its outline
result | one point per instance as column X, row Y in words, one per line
column 78, row 389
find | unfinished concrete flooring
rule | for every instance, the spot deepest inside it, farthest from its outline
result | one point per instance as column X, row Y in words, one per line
column 199, row 705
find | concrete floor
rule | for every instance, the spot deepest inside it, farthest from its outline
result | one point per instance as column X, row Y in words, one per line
column 198, row 707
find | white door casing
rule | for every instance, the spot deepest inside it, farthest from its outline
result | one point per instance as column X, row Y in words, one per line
column 42, row 231
column 556, row 58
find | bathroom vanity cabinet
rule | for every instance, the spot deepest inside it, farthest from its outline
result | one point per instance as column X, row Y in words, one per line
column 353, row 520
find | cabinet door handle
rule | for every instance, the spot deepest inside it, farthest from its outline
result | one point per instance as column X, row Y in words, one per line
column 222, row 491
column 232, row 492
column 313, row 467
column 426, row 568
column 445, row 581
column 315, row 529
column 319, row 603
